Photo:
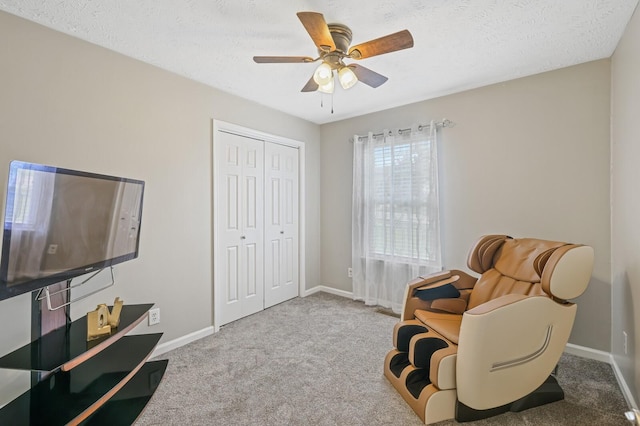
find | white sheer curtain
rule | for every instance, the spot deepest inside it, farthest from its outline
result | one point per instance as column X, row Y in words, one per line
column 395, row 213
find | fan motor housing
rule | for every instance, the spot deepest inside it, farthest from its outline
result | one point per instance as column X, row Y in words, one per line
column 342, row 36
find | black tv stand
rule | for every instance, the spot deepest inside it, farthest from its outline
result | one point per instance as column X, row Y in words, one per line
column 84, row 382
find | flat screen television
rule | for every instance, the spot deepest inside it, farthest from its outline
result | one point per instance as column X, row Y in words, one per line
column 60, row 224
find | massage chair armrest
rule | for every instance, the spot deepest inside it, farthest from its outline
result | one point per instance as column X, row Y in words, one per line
column 462, row 281
column 508, row 346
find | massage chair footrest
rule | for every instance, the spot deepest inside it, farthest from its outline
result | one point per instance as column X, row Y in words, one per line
column 398, row 362
column 549, row 391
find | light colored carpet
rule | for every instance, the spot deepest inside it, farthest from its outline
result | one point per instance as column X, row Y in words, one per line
column 318, row 361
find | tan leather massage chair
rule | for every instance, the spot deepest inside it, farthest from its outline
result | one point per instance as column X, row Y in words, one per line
column 470, row 348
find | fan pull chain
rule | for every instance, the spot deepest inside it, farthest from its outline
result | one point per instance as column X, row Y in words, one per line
column 322, row 101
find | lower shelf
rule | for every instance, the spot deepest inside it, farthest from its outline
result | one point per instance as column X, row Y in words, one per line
column 69, row 397
column 127, row 405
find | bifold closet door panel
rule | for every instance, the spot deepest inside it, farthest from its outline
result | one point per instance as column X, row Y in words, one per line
column 239, row 266
column 281, row 223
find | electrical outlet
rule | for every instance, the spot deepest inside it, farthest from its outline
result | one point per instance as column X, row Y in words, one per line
column 624, row 335
column 350, row 272
column 154, row 316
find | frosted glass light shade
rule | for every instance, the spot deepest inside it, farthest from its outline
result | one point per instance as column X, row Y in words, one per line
column 323, row 74
column 347, row 77
column 326, row 88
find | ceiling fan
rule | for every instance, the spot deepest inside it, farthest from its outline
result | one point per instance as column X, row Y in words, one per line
column 332, row 41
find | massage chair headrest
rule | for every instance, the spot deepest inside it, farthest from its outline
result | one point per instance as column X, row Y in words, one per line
column 563, row 270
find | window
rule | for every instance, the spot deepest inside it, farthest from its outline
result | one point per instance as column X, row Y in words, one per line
column 400, row 183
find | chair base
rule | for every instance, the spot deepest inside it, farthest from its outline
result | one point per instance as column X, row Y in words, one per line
column 549, row 391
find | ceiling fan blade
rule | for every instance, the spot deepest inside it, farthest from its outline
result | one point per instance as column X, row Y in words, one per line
column 282, row 59
column 318, row 29
column 390, row 43
column 368, row 77
column 311, row 86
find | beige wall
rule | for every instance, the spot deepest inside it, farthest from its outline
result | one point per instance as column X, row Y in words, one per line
column 72, row 104
column 625, row 204
column 529, row 157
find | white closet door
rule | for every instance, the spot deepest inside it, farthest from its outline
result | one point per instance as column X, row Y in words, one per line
column 239, row 267
column 281, row 223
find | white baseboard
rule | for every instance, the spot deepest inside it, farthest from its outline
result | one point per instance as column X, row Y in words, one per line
column 181, row 341
column 626, row 391
column 584, row 352
column 329, row 290
column 603, row 356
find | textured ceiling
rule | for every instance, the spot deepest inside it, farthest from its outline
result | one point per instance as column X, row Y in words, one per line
column 459, row 44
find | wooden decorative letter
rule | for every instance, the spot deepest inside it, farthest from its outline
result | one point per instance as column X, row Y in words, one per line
column 114, row 316
column 98, row 322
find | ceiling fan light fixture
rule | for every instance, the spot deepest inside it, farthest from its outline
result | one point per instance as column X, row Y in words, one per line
column 323, row 74
column 333, row 43
column 327, row 88
column 347, row 77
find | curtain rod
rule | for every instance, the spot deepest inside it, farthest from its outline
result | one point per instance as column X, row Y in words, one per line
column 444, row 123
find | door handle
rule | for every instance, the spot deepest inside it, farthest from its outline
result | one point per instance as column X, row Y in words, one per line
column 282, row 232
column 242, row 237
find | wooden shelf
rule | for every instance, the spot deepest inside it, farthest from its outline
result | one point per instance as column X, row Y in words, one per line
column 67, row 347
column 70, row 397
